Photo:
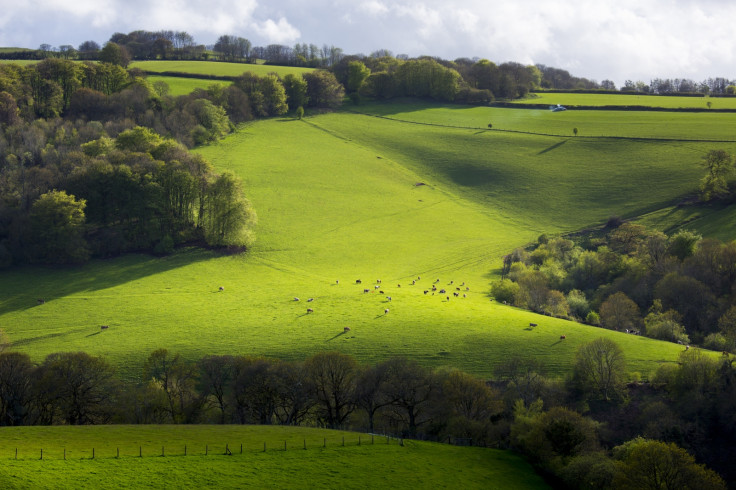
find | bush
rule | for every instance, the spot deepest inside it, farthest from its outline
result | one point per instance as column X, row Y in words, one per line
column 592, row 318
column 504, row 290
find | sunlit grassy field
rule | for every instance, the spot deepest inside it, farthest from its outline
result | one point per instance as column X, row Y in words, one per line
column 325, row 462
column 216, row 68
column 338, row 200
column 183, row 86
column 671, row 102
column 618, row 124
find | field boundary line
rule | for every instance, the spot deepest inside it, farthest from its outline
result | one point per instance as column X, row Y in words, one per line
column 632, row 138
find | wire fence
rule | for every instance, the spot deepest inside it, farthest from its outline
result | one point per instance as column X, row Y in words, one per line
column 172, row 450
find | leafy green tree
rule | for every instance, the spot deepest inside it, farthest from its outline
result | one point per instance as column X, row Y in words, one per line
column 227, row 214
column 57, row 224
column 683, row 244
column 115, row 54
column 357, row 74
column 600, row 368
column 139, row 139
column 619, row 312
column 645, row 464
column 296, row 90
column 323, row 89
column 177, row 381
column 719, row 166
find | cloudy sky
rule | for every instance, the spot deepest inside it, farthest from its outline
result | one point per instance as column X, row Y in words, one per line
column 598, row 39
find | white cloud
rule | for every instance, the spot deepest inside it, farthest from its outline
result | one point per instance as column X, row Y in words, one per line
column 277, row 32
column 616, row 39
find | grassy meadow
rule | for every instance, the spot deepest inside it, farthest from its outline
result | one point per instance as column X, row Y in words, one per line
column 338, row 200
column 183, row 86
column 217, row 68
column 669, row 102
column 325, row 462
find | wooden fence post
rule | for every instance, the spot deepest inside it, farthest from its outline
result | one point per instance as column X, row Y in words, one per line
column 305, row 444
column 64, row 454
column 93, row 453
column 284, row 445
column 264, row 446
column 140, row 451
column 16, row 453
column 41, row 454
column 241, row 448
column 185, row 449
column 118, row 453
column 206, row 449
column 162, row 452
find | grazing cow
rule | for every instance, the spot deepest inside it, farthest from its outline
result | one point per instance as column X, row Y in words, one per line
column 358, row 281
column 687, row 347
column 376, row 286
column 385, row 312
column 366, row 290
column 41, row 301
column 457, row 289
column 378, row 281
column 337, row 281
column 413, row 282
column 346, row 329
column 418, row 278
column 310, row 300
column 679, row 341
column 456, row 294
column 463, row 284
column 504, row 302
column 222, row 288
column 398, row 285
column 448, row 298
column 381, row 292
column 442, row 291
column 532, row 324
column 451, row 282
column 425, row 291
column 434, row 288
column 467, row 289
column 296, row 299
column 465, row 295
column 104, row 327
column 563, row 337
column 438, row 280
column 310, row 310
column 388, row 298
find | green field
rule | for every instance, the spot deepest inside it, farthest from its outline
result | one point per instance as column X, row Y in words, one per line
column 617, row 124
column 325, row 462
column 216, row 68
column 337, row 199
column 183, row 86
column 670, row 102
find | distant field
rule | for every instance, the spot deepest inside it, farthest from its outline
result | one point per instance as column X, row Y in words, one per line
column 20, row 62
column 416, row 464
column 671, row 102
column 184, row 86
column 215, row 68
column 628, row 124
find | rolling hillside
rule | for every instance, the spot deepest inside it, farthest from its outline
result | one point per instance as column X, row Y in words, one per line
column 338, row 200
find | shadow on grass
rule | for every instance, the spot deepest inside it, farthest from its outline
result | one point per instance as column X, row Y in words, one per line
column 553, row 147
column 336, row 336
column 22, row 287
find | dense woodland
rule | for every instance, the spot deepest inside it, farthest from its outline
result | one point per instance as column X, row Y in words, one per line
column 626, row 428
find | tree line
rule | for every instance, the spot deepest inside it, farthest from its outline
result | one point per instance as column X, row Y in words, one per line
column 677, row 288
column 687, row 405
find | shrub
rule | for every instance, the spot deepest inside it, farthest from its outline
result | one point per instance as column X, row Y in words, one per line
column 504, row 290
